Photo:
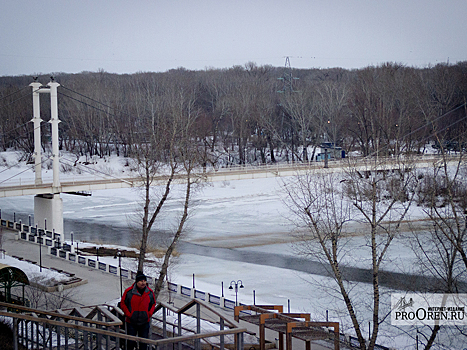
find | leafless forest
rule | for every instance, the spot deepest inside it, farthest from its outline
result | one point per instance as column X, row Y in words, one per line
column 247, row 114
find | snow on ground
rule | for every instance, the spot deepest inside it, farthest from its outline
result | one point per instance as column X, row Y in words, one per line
column 246, row 215
column 33, row 271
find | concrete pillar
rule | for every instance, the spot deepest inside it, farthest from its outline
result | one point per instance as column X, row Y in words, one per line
column 37, row 131
column 49, row 207
column 54, row 121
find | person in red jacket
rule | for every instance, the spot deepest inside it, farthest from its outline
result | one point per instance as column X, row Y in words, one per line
column 138, row 303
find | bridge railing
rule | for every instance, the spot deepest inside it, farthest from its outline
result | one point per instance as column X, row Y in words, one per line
column 273, row 168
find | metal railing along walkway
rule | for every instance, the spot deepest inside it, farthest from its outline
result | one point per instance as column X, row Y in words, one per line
column 95, row 330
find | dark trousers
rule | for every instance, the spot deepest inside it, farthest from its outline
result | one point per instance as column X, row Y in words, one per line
column 141, row 331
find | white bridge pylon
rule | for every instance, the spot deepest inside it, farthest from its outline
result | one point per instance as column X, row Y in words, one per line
column 48, row 208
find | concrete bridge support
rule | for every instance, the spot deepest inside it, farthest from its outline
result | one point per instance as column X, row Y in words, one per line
column 48, row 213
column 48, row 208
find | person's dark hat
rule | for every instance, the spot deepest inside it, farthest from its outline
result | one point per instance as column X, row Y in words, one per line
column 140, row 276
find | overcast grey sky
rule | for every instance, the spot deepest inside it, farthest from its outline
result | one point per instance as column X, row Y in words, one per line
column 129, row 36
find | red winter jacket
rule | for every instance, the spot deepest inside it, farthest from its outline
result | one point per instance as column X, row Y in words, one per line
column 138, row 308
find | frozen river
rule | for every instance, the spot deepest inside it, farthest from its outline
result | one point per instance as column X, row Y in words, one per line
column 243, row 221
column 238, row 230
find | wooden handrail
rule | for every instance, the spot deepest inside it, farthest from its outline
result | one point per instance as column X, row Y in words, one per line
column 116, row 322
column 182, row 338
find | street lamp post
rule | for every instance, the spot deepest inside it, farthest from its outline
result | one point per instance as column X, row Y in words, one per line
column 39, row 239
column 238, row 284
column 119, row 255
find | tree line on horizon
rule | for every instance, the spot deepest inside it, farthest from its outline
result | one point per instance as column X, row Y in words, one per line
column 248, row 114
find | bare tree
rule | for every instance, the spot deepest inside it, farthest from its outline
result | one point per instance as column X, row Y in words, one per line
column 441, row 249
column 301, row 106
column 376, row 199
column 166, row 151
column 41, row 299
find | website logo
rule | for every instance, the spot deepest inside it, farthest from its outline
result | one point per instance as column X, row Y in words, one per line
column 428, row 309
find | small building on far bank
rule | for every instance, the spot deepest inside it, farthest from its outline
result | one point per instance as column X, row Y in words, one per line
column 329, row 150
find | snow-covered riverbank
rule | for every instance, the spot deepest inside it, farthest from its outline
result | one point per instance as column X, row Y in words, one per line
column 247, row 216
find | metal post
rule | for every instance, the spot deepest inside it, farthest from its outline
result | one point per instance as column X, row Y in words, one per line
column 120, row 269
column 180, row 330
column 288, row 305
column 236, row 294
column 71, row 234
column 15, row 333
column 239, row 337
column 45, row 224
column 14, row 216
column 254, row 297
column 239, row 282
column 221, row 324
column 326, row 164
column 193, row 281
column 29, row 217
column 222, row 288
column 40, row 249
column 164, row 325
column 198, row 326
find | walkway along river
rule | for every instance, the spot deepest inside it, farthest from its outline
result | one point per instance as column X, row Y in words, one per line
column 109, row 234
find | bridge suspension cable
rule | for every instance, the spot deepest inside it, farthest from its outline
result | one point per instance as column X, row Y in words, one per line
column 23, row 171
column 90, row 98
column 92, row 171
column 87, row 104
column 6, row 105
column 427, row 124
column 14, row 93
